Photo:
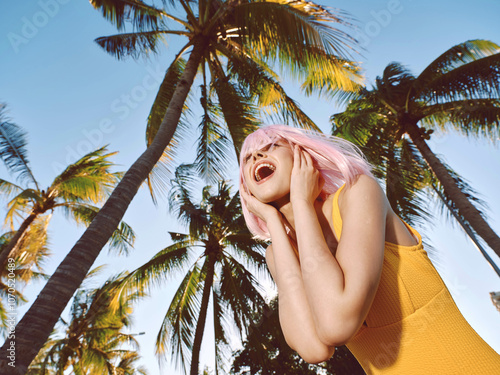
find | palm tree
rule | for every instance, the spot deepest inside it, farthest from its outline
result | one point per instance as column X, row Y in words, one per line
column 299, row 35
column 397, row 164
column 460, row 91
column 75, row 191
column 28, row 267
column 265, row 352
column 218, row 240
column 93, row 340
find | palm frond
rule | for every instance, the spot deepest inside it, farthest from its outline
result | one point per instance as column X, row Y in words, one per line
column 221, row 343
column 20, row 205
column 239, row 113
column 177, row 237
column 474, row 117
column 135, row 45
column 456, row 56
column 395, row 163
column 93, row 337
column 127, row 364
column 81, row 213
column 258, row 80
column 13, row 151
column 88, row 179
column 177, row 329
column 465, row 187
column 479, row 79
column 34, row 250
column 8, row 188
column 240, row 292
column 249, row 250
column 284, row 30
column 122, row 239
column 181, row 202
column 332, row 77
column 404, row 187
column 394, row 89
column 359, row 121
column 118, row 12
column 159, row 178
column 213, row 145
column 315, row 52
column 157, row 270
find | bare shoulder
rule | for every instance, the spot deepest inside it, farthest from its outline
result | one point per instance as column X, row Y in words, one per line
column 365, row 191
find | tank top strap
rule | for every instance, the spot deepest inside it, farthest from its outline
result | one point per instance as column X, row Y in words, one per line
column 337, row 219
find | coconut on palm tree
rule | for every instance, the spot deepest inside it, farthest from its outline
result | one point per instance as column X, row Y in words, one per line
column 214, row 255
column 299, row 36
column 75, row 191
column 459, row 91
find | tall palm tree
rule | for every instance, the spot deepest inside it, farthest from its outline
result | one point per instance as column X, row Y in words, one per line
column 300, row 36
column 75, row 191
column 93, row 341
column 459, row 91
column 218, row 241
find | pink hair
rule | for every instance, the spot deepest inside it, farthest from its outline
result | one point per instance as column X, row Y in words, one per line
column 338, row 161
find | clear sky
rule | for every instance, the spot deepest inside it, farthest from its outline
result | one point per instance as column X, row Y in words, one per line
column 72, row 97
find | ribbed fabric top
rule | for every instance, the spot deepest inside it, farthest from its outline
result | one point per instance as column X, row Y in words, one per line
column 414, row 326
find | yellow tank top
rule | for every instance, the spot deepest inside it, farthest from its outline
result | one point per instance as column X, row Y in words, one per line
column 414, row 326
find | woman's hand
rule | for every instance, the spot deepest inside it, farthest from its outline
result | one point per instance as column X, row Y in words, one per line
column 262, row 210
column 306, row 182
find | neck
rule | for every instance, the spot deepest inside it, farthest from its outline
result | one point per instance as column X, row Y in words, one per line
column 285, row 208
column 287, row 212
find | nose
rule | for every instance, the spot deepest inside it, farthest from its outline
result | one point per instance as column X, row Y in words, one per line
column 258, row 154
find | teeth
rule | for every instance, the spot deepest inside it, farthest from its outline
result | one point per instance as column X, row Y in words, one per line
column 270, row 166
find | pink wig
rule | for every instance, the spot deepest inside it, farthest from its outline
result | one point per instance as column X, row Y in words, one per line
column 338, row 161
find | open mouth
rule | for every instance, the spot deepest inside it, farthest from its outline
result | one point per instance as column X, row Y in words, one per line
column 263, row 171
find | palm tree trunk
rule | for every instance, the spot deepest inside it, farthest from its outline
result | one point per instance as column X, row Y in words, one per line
column 37, row 324
column 465, row 226
column 200, row 324
column 465, row 207
column 390, row 181
column 12, row 248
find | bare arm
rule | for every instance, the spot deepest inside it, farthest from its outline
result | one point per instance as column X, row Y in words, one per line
column 340, row 289
column 295, row 314
column 296, row 318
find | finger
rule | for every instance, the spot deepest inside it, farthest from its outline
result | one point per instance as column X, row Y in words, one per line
column 303, row 162
column 307, row 159
column 296, row 156
column 245, row 195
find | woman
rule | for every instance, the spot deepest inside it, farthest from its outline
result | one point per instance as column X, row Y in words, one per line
column 348, row 270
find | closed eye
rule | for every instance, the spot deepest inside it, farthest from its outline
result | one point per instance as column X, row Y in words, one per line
column 268, row 147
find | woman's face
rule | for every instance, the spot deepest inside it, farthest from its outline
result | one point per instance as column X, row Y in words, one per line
column 267, row 171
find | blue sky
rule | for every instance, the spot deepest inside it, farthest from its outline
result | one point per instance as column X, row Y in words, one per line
column 72, row 97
